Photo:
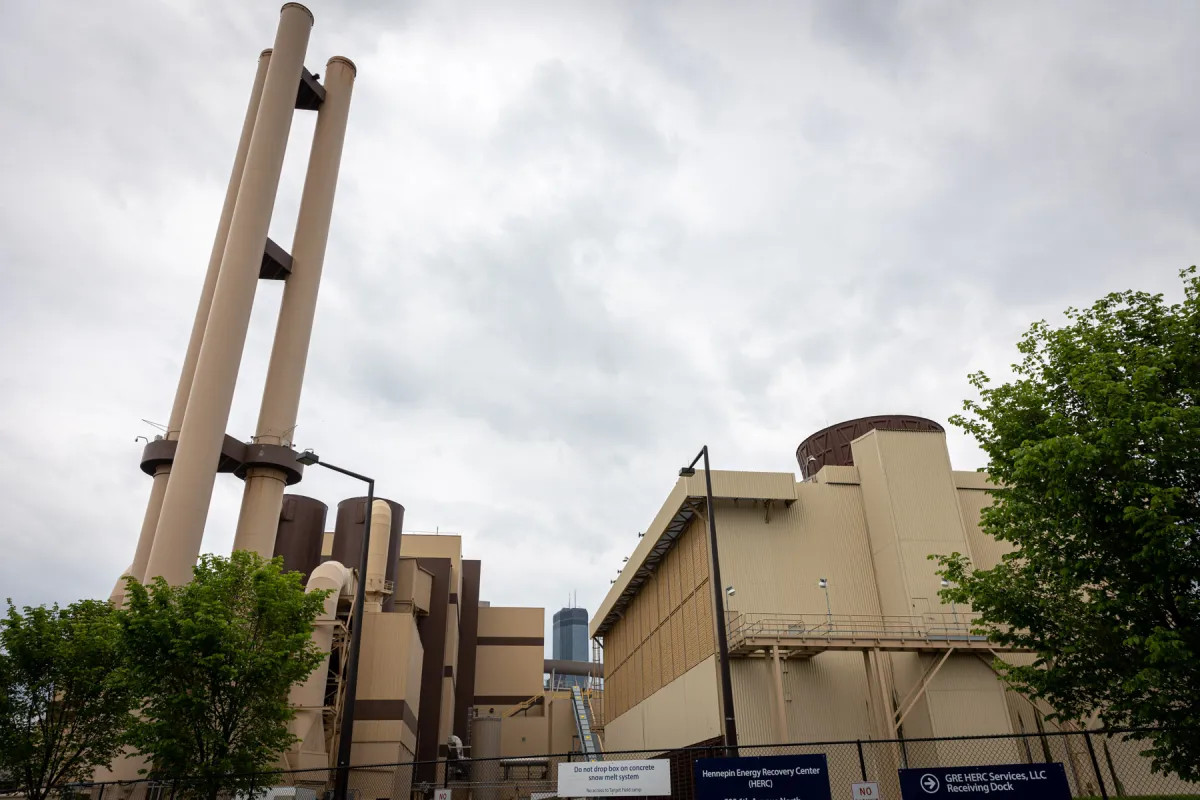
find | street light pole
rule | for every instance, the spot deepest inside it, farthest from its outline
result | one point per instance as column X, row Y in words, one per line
column 824, row 585
column 729, row 731
column 346, row 729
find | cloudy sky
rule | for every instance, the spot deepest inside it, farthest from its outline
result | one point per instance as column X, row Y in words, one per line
column 572, row 242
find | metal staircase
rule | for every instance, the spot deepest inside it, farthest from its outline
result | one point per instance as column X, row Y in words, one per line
column 583, row 725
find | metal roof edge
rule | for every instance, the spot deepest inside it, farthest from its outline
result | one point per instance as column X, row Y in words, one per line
column 673, row 518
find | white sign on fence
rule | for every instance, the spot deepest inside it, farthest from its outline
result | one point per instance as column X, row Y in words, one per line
column 865, row 791
column 649, row 778
column 441, row 794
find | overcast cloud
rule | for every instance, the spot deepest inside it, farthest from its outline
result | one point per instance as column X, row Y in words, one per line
column 572, row 242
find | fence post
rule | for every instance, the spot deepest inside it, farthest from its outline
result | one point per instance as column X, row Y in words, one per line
column 1087, row 737
column 862, row 762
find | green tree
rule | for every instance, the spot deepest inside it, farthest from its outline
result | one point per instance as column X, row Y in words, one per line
column 1095, row 447
column 214, row 661
column 65, row 696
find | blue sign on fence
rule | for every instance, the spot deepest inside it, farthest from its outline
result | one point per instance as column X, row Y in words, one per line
column 997, row 782
column 763, row 778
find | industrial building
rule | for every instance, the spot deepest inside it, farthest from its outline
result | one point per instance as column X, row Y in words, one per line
column 438, row 666
column 834, row 625
column 440, row 672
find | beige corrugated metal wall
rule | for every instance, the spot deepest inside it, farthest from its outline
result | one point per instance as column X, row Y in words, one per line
column 666, row 630
column 986, row 551
column 774, row 566
column 915, row 510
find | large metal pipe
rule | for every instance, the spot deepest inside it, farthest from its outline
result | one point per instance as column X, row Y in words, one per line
column 308, row 696
column 377, row 556
column 563, row 667
column 348, row 537
column 263, row 492
column 163, row 472
column 180, row 527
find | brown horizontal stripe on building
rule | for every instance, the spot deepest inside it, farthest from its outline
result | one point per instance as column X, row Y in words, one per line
column 385, row 710
column 499, row 699
column 511, row 641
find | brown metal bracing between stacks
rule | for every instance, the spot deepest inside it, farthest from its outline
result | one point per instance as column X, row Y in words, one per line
column 311, row 93
column 276, row 263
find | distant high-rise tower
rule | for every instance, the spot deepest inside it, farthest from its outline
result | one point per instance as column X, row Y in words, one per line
column 570, row 642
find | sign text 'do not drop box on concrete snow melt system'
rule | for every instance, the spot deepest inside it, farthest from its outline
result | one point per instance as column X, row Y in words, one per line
column 648, row 778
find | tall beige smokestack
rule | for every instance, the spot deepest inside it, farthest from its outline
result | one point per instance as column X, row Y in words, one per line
column 180, row 527
column 263, row 494
column 163, row 471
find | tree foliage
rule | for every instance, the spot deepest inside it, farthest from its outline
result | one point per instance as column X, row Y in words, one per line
column 1095, row 445
column 65, row 694
column 215, row 660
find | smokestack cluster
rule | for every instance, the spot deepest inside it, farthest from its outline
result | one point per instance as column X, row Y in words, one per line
column 184, row 464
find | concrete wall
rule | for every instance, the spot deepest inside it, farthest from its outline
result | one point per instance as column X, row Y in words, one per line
column 509, row 655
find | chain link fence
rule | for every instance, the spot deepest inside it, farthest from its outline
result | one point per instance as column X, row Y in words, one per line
column 1098, row 764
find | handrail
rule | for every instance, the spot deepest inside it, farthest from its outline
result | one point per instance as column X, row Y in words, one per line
column 958, row 626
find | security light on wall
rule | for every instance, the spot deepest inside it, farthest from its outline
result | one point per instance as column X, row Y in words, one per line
column 729, row 590
column 822, row 583
column 945, row 583
column 623, row 560
column 687, row 472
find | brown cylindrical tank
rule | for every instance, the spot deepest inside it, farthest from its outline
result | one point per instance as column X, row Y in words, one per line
column 832, row 445
column 301, row 529
column 347, row 537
